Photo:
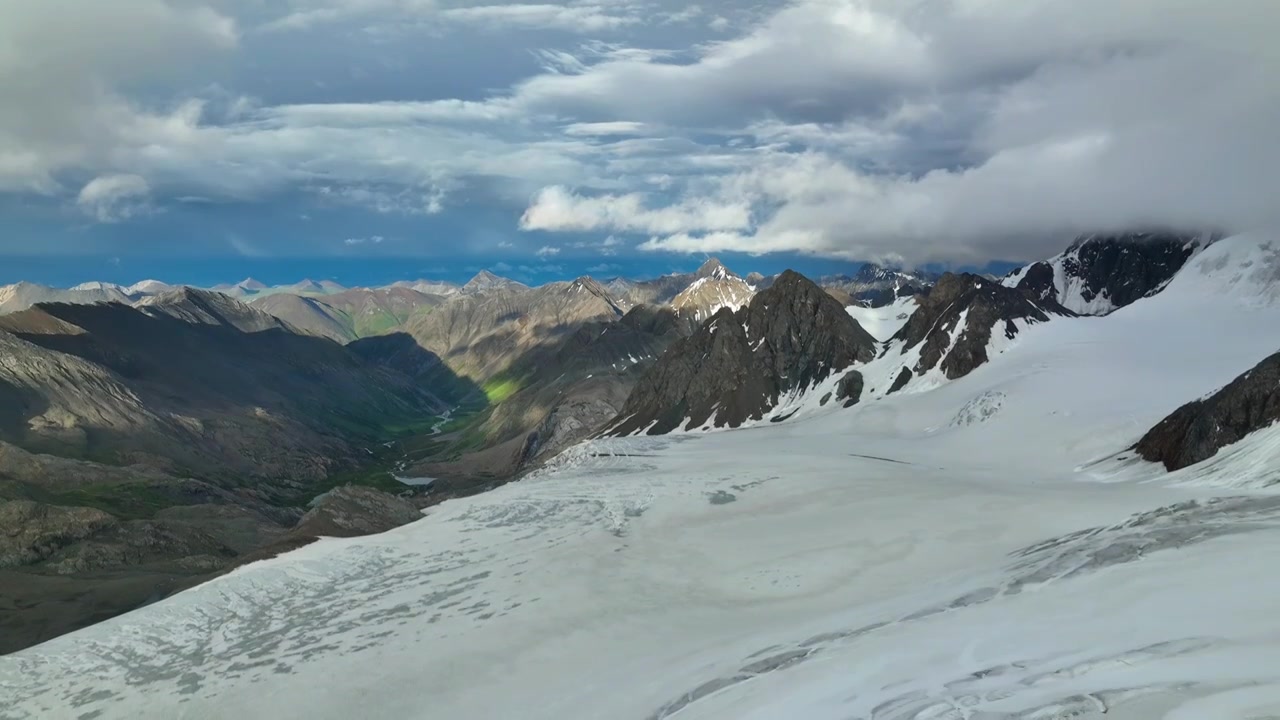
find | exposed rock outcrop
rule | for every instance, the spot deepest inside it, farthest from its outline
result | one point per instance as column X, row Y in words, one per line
column 1099, row 274
column 954, row 325
column 351, row 511
column 850, row 388
column 876, row 286
column 1198, row 430
column 30, row 532
column 737, row 365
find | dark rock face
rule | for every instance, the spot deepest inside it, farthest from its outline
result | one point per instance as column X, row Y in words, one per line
column 876, row 286
column 850, row 388
column 802, row 334
column 984, row 305
column 1037, row 282
column 904, row 377
column 351, row 511
column 1198, row 430
column 1101, row 273
column 737, row 365
column 712, row 372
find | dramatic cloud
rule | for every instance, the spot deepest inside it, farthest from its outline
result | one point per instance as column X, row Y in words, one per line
column 61, row 63
column 958, row 133
column 955, row 131
column 556, row 208
column 112, row 198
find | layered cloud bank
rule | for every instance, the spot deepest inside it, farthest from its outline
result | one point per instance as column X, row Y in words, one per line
column 951, row 132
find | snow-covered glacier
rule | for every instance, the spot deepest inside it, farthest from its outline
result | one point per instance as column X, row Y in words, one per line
column 984, row 549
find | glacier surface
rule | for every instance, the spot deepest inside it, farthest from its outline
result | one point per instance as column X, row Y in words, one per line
column 984, row 549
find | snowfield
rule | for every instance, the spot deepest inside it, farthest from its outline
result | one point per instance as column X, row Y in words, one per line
column 883, row 322
column 983, row 549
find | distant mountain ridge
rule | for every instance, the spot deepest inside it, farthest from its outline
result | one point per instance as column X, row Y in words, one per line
column 877, row 286
column 738, row 364
column 175, row 429
column 627, row 291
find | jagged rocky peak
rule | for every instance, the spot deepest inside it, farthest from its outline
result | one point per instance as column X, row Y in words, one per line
column 586, row 283
column 738, row 365
column 715, row 287
column 798, row 323
column 1198, row 430
column 961, row 319
column 713, row 268
column 1099, row 274
column 586, row 287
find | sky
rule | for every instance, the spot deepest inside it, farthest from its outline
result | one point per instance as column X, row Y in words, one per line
column 200, row 137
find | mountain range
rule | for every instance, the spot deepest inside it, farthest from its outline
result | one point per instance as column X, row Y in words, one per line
column 155, row 435
column 751, row 498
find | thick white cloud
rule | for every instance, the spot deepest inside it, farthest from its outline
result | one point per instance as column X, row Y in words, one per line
column 557, row 209
column 61, row 62
column 964, row 131
column 950, row 131
column 111, row 198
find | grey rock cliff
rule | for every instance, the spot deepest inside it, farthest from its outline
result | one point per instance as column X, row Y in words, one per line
column 1198, row 430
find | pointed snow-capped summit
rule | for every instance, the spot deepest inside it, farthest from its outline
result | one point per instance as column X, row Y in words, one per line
column 1099, row 274
column 251, row 285
column 737, row 366
column 714, row 288
column 713, row 268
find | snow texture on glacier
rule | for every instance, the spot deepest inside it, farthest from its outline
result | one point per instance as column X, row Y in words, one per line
column 886, row 562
